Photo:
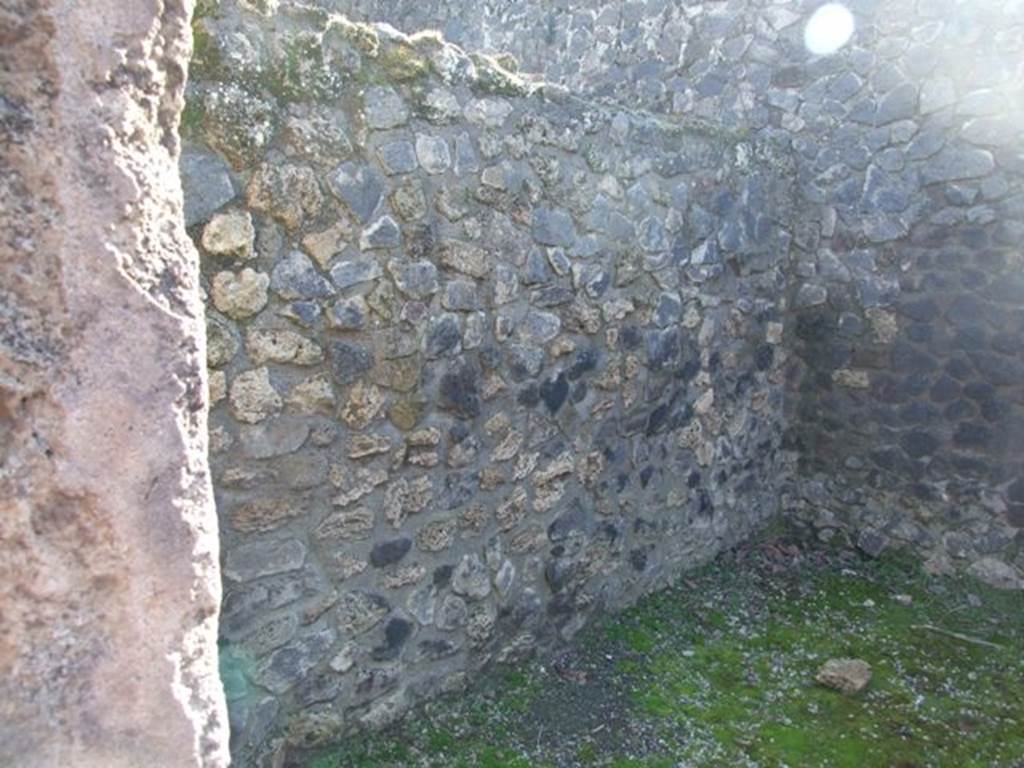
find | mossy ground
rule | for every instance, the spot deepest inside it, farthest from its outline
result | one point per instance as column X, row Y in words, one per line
column 719, row 671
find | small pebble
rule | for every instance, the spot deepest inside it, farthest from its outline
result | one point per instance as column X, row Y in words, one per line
column 903, row 599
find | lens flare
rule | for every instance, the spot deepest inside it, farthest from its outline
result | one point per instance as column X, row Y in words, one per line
column 829, row 29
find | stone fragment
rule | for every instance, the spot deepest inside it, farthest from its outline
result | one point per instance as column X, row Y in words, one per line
column 265, row 345
column 898, row 104
column 416, row 279
column 303, row 470
column 359, row 187
column 217, row 387
column 346, row 274
column 253, row 560
column 252, row 397
column 436, row 536
column 404, row 498
column 617, row 309
column 506, row 284
column 364, row 404
column 884, row 325
column 206, row 180
column 360, row 611
column 384, row 108
column 433, row 153
column 289, row 665
column 240, row 295
column 262, row 515
column 653, row 237
column 288, row 193
column 344, row 659
column 405, row 413
column 592, row 278
column 421, row 603
column 852, row 379
column 524, row 361
column 303, row 313
column 270, row 634
column 402, row 375
column 347, row 524
column 538, row 327
column 363, row 446
column 460, row 391
column 512, row 510
column 504, row 578
column 668, row 311
column 319, row 132
column 464, row 257
column 409, row 200
column 383, row 233
column 954, row 164
column 810, row 295
column 471, row 578
column 554, row 392
column 872, row 543
column 313, row 395
column 349, row 314
column 490, row 113
column 996, row 573
column 397, row 157
column 229, row 235
column 509, row 445
column 848, row 676
column 221, row 343
column 553, row 227
column 460, row 296
column 404, row 576
column 295, row 277
column 451, row 613
column 442, row 106
column 387, row 553
column 274, row 437
column 444, row 336
column 348, row 361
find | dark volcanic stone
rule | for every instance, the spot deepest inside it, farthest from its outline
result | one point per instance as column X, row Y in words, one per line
column 460, row 391
column 390, row 552
column 396, row 632
column 443, row 575
column 919, row 443
column 444, row 336
column 584, row 361
column 662, row 347
column 529, row 395
column 295, row 277
column 872, row 543
column 972, row 436
column 554, row 391
column 348, row 361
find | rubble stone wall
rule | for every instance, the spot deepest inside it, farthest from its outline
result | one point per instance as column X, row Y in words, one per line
column 485, row 358
column 909, row 147
column 492, row 351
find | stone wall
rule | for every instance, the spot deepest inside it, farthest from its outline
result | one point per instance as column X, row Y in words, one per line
column 908, row 294
column 490, row 354
column 109, row 581
column 908, row 147
column 486, row 358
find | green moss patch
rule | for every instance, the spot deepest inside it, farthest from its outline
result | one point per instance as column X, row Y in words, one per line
column 719, row 670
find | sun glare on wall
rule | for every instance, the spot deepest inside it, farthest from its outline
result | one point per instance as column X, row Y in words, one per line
column 829, row 29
